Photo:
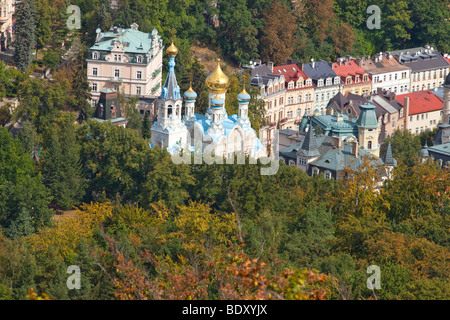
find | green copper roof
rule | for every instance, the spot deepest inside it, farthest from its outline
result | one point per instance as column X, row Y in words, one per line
column 309, row 146
column 133, row 41
column 441, row 149
column 367, row 118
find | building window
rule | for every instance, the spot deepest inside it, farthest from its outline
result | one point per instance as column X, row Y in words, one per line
column 95, row 56
column 291, row 85
column 299, row 99
column 117, row 73
column 94, row 71
column 291, row 162
column 139, row 75
column 94, row 87
column 290, row 100
column 138, row 90
column 302, row 161
column 369, row 145
column 139, row 59
column 327, row 174
column 298, row 113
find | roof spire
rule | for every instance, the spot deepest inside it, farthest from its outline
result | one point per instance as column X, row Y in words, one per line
column 388, row 158
column 309, row 147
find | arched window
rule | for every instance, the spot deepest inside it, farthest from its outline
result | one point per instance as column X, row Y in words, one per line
column 369, row 145
column 169, row 110
column 95, row 55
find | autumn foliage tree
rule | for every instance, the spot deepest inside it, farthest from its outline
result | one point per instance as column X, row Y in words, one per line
column 279, row 34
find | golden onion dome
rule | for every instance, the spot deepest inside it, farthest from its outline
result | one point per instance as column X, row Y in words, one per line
column 172, row 51
column 218, row 81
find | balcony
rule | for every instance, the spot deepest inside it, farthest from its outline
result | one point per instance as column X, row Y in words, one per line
column 116, row 79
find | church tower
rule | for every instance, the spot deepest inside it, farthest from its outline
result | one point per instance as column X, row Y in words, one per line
column 190, row 96
column 169, row 128
column 368, row 126
column 216, row 128
column 243, row 99
column 217, row 83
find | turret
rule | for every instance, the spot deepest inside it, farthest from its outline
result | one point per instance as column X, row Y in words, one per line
column 190, row 96
column 243, row 99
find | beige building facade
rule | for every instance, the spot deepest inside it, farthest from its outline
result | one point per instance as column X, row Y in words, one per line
column 6, row 23
column 126, row 60
column 299, row 95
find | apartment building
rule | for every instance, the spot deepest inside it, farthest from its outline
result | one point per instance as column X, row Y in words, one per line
column 387, row 73
column 326, row 83
column 299, row 95
column 353, row 78
column 6, row 23
column 424, row 110
column 428, row 67
column 272, row 90
column 125, row 60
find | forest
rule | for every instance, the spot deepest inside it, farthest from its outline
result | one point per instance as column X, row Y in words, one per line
column 74, row 191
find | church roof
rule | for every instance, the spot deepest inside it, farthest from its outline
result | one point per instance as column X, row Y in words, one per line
column 309, row 146
column 388, row 158
column 171, row 90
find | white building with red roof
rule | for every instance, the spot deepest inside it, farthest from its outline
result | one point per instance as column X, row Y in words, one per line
column 354, row 79
column 299, row 95
column 424, row 110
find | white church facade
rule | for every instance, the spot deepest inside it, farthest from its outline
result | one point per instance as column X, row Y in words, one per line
column 214, row 132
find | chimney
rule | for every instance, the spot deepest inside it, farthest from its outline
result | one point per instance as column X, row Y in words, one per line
column 270, row 65
column 337, row 142
column 406, row 111
column 355, row 149
column 313, row 64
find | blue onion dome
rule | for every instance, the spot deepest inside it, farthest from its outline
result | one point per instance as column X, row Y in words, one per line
column 190, row 93
column 217, row 102
column 243, row 96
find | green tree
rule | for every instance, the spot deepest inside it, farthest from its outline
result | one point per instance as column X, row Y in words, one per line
column 61, row 166
column 405, row 147
column 22, row 194
column 146, row 127
column 278, row 38
column 5, row 115
column 25, row 42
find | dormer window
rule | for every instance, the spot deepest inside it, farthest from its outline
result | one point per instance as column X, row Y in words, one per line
column 328, row 82
column 95, row 55
column 139, row 59
column 357, row 79
column 365, row 77
column 291, row 85
column 308, row 83
column 336, row 80
column 320, row 83
column 348, row 80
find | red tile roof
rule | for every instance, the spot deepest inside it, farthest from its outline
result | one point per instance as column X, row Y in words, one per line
column 291, row 72
column 421, row 101
column 349, row 68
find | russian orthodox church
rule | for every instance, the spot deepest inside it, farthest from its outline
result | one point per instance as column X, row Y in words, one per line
column 178, row 129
